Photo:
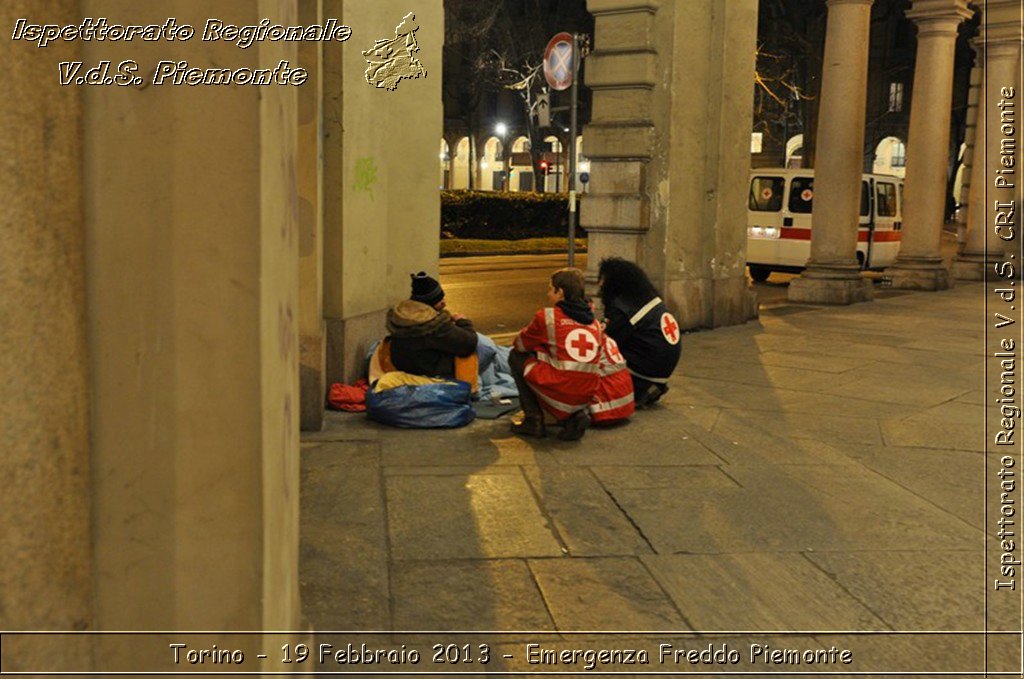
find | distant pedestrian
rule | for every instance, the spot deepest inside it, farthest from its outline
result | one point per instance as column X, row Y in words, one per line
column 556, row 360
column 637, row 319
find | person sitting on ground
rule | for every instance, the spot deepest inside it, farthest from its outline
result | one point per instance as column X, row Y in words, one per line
column 556, row 359
column 636, row 318
column 427, row 290
column 424, row 337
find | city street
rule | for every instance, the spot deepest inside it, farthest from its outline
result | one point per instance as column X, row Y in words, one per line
column 501, row 293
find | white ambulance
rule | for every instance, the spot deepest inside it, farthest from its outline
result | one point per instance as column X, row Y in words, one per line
column 779, row 220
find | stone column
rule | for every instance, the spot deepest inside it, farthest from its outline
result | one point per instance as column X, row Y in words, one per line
column 669, row 149
column 191, row 220
column 970, row 134
column 998, row 48
column 833, row 275
column 46, row 564
column 382, row 207
column 919, row 265
column 312, row 354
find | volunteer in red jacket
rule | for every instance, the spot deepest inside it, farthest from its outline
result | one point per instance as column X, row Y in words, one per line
column 556, row 360
column 614, row 399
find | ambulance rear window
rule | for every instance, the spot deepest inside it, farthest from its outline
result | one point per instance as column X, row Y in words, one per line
column 801, row 195
column 766, row 194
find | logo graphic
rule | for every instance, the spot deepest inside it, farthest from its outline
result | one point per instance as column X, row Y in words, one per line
column 391, row 60
column 669, row 328
column 581, row 345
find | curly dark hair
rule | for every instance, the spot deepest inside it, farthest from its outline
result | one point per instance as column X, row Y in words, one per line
column 624, row 281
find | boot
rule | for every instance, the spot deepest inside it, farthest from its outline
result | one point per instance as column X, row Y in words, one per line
column 529, row 426
column 575, row 427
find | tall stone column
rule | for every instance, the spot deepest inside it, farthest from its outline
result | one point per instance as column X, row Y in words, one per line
column 998, row 48
column 191, row 221
column 970, row 134
column 919, row 265
column 381, row 207
column 312, row 352
column 669, row 149
column 833, row 274
column 46, row 564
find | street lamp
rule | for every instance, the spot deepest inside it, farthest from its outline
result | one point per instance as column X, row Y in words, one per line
column 501, row 129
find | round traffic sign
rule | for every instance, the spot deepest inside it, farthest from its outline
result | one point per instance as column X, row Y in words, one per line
column 558, row 61
column 584, row 177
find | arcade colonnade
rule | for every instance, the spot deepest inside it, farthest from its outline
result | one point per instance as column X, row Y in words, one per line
column 998, row 50
column 832, row 275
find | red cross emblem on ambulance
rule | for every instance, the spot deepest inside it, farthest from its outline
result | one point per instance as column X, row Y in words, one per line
column 581, row 345
column 669, row 328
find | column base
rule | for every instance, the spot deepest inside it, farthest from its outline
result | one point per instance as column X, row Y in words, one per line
column 312, row 389
column 347, row 341
column 918, row 273
column 840, row 284
column 972, row 266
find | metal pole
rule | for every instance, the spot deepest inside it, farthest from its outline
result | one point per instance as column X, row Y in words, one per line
column 572, row 147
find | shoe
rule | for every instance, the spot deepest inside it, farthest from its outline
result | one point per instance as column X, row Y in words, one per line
column 575, row 427
column 656, row 393
column 529, row 426
column 649, row 396
column 643, row 398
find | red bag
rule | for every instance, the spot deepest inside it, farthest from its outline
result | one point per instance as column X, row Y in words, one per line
column 350, row 397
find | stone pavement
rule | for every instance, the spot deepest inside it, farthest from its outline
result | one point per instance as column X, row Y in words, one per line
column 812, row 474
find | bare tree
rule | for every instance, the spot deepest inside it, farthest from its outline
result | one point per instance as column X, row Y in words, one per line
column 513, row 64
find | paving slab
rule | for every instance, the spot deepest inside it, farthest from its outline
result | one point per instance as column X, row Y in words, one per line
column 954, row 425
column 693, row 480
column 740, row 440
column 758, row 592
column 953, row 480
column 584, row 513
column 468, row 595
column 912, row 590
column 826, row 428
column 604, row 594
column 764, row 375
column 793, row 508
column 343, row 557
column 475, row 516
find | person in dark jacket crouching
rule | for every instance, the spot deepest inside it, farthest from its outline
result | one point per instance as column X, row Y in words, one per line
column 424, row 337
column 636, row 318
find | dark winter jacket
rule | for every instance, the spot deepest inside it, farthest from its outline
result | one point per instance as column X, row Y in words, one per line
column 425, row 341
column 647, row 335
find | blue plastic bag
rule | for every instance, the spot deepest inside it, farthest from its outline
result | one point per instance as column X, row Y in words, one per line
column 426, row 406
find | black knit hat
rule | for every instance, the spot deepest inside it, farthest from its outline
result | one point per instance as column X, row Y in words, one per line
column 425, row 289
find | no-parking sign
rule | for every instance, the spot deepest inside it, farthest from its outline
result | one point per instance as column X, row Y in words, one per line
column 558, row 61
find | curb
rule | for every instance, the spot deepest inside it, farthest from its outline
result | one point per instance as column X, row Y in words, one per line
column 506, row 253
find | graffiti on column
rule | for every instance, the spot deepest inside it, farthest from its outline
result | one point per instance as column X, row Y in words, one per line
column 392, row 59
column 365, row 175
